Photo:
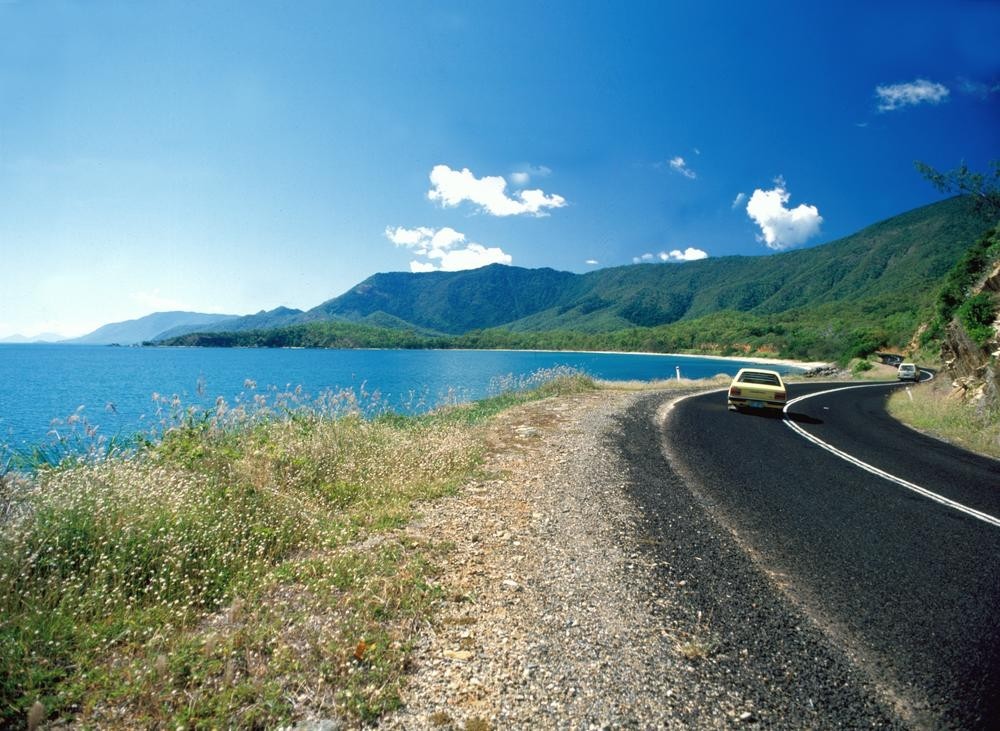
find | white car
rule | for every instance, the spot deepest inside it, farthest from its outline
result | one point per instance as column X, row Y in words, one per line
column 908, row 372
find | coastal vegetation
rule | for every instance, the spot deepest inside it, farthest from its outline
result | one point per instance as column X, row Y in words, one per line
column 935, row 409
column 846, row 299
column 252, row 560
column 962, row 405
column 252, row 554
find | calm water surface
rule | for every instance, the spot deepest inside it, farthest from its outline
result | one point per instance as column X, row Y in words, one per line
column 115, row 386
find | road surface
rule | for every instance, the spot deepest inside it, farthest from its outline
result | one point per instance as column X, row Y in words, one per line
column 905, row 584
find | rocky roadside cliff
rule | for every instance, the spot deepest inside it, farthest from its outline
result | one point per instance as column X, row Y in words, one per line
column 975, row 368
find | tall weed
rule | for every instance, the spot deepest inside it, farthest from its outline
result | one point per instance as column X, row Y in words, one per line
column 201, row 575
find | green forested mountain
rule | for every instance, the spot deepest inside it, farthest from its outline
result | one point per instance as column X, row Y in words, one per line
column 262, row 320
column 908, row 253
column 449, row 302
column 868, row 290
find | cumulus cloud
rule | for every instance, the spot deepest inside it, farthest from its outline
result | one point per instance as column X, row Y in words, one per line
column 444, row 249
column 452, row 187
column 678, row 165
column 524, row 175
column 738, row 200
column 781, row 227
column 920, row 91
column 689, row 254
column 676, row 255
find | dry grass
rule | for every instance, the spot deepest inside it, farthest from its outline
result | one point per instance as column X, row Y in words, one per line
column 875, row 372
column 935, row 409
column 721, row 380
column 245, row 570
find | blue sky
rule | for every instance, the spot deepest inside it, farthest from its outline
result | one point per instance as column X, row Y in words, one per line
column 231, row 157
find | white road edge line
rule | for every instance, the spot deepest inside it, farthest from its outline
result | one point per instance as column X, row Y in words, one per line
column 978, row 515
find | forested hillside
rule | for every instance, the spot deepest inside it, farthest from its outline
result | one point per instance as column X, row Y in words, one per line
column 852, row 296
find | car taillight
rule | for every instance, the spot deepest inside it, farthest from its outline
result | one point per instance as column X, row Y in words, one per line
column 734, row 391
column 779, row 395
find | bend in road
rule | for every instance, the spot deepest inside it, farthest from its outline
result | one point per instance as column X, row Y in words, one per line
column 908, row 586
column 906, row 484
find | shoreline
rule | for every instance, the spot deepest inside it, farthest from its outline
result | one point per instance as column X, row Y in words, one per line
column 805, row 365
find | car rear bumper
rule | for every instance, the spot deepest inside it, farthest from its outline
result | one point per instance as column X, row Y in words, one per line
column 750, row 403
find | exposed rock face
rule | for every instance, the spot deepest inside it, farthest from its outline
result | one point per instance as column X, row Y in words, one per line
column 975, row 369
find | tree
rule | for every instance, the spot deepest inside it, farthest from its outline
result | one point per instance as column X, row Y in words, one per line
column 984, row 188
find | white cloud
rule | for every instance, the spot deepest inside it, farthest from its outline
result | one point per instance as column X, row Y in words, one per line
column 592, row 262
column 678, row 165
column 781, row 227
column 408, row 236
column 689, row 254
column 676, row 255
column 451, row 187
column 444, row 249
column 920, row 91
column 738, row 200
column 526, row 173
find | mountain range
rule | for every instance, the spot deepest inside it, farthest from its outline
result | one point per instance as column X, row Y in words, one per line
column 40, row 338
column 887, row 272
column 147, row 328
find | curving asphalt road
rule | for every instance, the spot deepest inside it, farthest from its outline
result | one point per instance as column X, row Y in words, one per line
column 908, row 588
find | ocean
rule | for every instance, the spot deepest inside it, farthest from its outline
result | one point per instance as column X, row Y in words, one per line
column 46, row 390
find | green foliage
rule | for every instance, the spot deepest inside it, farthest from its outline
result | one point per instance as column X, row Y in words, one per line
column 207, row 579
column 833, row 302
column 966, row 273
column 312, row 335
column 861, row 366
column 982, row 188
column 863, row 342
column 649, row 307
column 973, row 424
column 450, row 302
column 511, row 391
column 976, row 315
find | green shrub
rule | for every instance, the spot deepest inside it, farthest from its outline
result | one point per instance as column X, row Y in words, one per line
column 205, row 579
column 966, row 272
column 976, row 315
column 861, row 366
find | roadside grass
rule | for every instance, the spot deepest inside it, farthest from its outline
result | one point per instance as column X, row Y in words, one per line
column 933, row 408
column 719, row 380
column 245, row 569
column 870, row 370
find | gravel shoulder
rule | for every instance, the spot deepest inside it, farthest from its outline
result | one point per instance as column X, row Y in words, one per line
column 588, row 587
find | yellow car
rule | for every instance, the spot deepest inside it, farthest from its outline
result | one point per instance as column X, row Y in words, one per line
column 755, row 388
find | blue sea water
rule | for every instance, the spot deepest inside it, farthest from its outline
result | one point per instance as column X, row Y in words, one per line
column 113, row 387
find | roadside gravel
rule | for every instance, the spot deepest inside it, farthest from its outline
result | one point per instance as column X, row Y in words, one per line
column 589, row 588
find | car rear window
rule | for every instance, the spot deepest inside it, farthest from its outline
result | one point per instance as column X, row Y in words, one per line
column 763, row 379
